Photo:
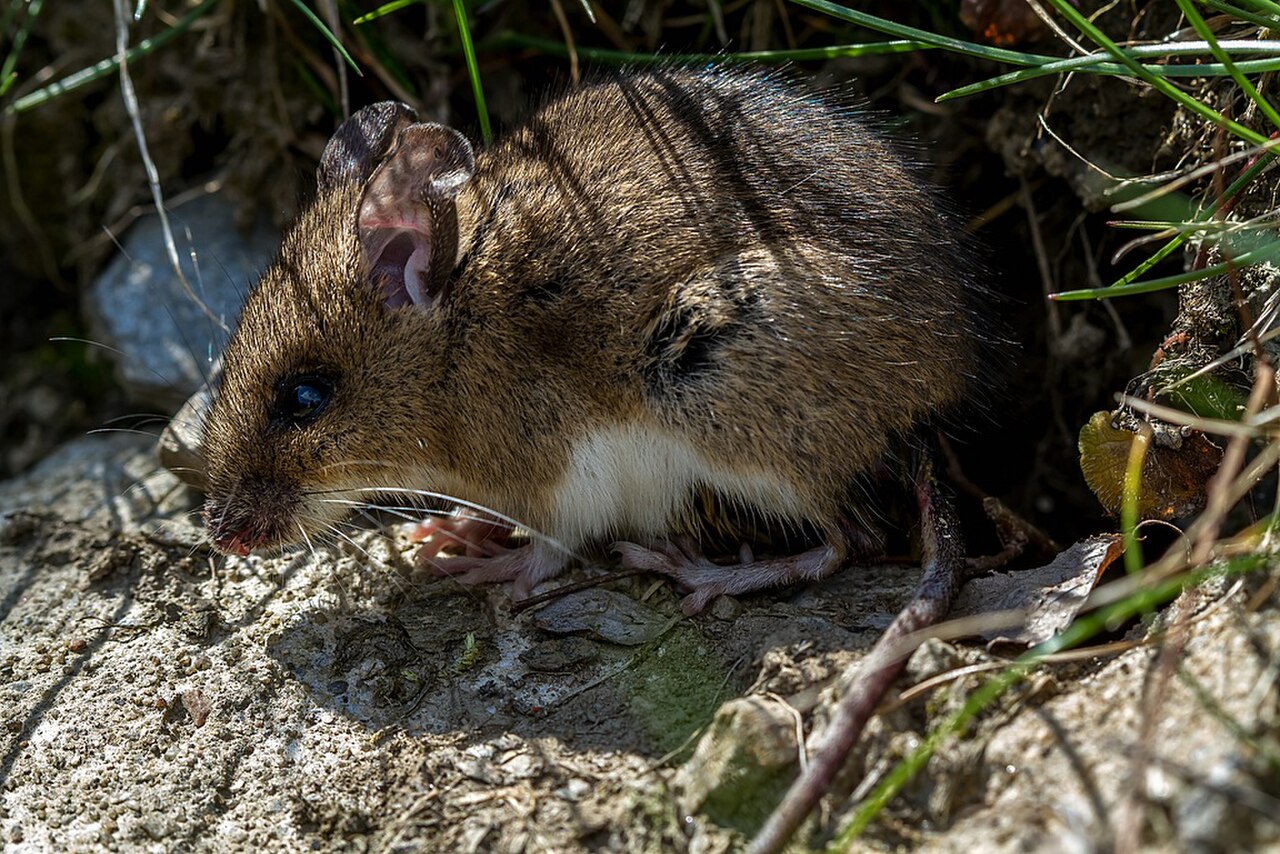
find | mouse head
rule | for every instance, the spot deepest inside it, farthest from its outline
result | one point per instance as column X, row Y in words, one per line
column 341, row 351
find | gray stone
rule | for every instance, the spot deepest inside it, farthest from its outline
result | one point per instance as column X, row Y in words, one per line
column 139, row 307
column 602, row 613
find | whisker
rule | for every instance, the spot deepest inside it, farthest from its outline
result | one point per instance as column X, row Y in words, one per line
column 303, row 531
column 98, row 430
column 502, row 517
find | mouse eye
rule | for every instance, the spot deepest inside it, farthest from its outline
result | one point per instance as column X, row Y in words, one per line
column 303, row 398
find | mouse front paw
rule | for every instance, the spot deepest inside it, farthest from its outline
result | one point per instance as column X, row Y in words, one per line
column 526, row 565
column 460, row 534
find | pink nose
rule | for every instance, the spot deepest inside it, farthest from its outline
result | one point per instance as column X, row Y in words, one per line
column 234, row 544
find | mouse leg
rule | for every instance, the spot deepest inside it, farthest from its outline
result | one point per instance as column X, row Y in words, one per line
column 684, row 562
column 526, row 565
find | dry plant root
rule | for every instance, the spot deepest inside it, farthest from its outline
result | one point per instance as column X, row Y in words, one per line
column 944, row 570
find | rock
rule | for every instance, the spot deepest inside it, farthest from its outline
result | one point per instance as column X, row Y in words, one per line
column 605, row 614
column 139, row 307
column 560, row 655
column 743, row 765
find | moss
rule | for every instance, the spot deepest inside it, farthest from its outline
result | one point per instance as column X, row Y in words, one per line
column 675, row 690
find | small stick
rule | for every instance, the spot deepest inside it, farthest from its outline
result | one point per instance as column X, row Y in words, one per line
column 565, row 589
column 943, row 570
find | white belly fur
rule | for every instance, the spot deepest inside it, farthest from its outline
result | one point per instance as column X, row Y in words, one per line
column 632, row 480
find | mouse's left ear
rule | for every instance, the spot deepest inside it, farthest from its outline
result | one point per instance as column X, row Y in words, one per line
column 361, row 142
column 407, row 221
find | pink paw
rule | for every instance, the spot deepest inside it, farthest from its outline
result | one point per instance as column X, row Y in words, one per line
column 684, row 562
column 526, row 565
column 459, row 534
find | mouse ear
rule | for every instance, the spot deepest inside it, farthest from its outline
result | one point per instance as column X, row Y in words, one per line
column 407, row 221
column 361, row 142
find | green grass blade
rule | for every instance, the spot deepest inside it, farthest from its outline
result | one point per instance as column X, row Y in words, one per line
column 1242, row 14
column 473, row 67
column 1246, row 178
column 1269, row 252
column 1092, row 64
column 1266, row 6
column 8, row 72
column 1131, row 495
column 106, row 67
column 387, row 9
column 1202, row 29
column 1078, row 20
column 613, row 57
column 881, row 25
column 328, row 35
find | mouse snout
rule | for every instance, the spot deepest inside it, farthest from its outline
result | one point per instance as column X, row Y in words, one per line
column 252, row 516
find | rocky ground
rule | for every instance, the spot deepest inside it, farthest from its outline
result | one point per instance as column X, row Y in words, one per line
column 156, row 696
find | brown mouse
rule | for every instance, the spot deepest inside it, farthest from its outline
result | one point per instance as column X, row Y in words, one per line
column 663, row 285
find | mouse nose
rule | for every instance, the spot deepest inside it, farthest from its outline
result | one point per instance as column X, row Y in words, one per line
column 234, row 537
column 236, row 544
column 237, row 526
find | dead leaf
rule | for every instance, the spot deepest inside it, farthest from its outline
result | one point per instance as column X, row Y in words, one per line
column 1001, row 22
column 1050, row 596
column 1173, row 478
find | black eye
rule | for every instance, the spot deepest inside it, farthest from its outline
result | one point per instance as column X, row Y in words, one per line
column 301, row 399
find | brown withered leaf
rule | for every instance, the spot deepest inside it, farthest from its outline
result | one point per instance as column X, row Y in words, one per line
column 1173, row 479
column 1050, row 596
column 1001, row 22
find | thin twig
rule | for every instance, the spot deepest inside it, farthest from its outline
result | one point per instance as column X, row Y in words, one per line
column 1264, row 389
column 569, row 46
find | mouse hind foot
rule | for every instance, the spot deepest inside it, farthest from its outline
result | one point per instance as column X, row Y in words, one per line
column 683, row 561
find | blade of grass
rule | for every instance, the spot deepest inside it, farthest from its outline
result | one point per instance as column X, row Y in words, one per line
column 1246, row 177
column 902, row 31
column 8, row 72
column 1094, row 64
column 1202, row 29
column 473, row 68
column 1242, row 14
column 1131, row 495
column 1078, row 20
column 511, row 39
column 1267, row 6
column 328, row 34
column 386, row 9
column 101, row 69
column 1269, row 252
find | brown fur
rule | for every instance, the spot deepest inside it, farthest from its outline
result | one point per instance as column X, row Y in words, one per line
column 719, row 253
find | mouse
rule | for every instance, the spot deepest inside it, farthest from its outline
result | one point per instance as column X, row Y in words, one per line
column 662, row 285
